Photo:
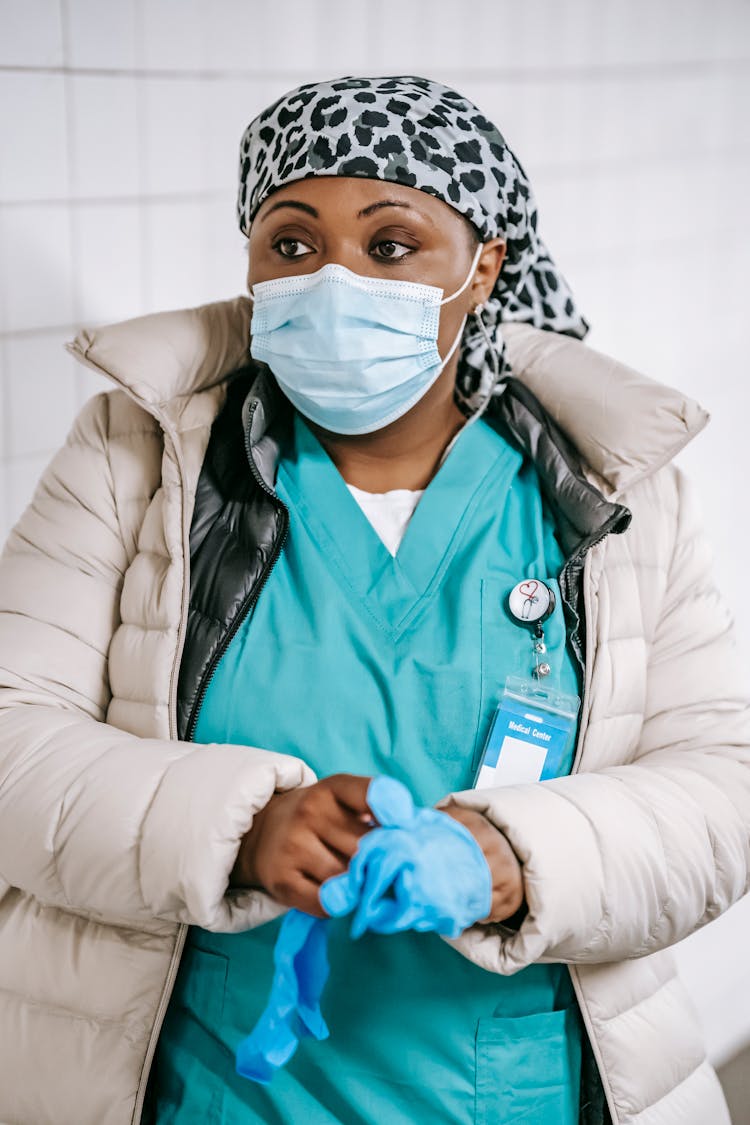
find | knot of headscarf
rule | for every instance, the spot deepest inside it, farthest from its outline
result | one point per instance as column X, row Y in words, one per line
column 419, row 133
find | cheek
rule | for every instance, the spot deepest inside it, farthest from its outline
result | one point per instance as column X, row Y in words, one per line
column 256, row 265
column 249, row 271
column 451, row 317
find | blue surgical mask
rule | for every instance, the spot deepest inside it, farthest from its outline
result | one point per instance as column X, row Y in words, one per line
column 352, row 353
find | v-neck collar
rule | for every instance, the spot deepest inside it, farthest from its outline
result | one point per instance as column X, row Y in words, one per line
column 392, row 587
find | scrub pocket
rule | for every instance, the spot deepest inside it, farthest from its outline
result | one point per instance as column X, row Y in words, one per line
column 189, row 1053
column 201, row 986
column 528, row 1069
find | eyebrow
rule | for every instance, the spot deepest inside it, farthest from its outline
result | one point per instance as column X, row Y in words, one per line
column 363, row 214
column 291, row 203
column 373, row 207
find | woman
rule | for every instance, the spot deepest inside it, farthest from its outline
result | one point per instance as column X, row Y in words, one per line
column 249, row 583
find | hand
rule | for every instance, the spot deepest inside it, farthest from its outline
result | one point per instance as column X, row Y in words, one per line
column 507, row 875
column 303, row 837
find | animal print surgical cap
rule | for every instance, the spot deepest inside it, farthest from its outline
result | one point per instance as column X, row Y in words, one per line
column 416, row 132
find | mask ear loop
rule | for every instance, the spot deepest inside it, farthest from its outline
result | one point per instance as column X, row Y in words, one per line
column 477, row 313
column 469, row 277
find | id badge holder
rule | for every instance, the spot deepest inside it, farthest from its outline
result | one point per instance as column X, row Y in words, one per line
column 528, row 734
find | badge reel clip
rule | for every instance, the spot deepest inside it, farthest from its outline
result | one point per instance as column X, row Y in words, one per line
column 533, row 721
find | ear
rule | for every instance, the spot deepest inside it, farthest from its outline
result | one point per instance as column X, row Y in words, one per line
column 488, row 270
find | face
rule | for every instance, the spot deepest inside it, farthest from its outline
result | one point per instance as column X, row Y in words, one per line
column 377, row 229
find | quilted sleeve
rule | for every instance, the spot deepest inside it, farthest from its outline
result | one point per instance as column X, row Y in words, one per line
column 92, row 818
column 627, row 860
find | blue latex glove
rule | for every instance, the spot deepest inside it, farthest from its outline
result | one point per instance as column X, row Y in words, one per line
column 420, row 870
column 293, row 1009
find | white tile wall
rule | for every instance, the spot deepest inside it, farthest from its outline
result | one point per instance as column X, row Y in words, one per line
column 172, row 34
column 31, row 33
column 110, row 265
column 23, row 475
column 4, row 438
column 32, row 126
column 100, row 35
column 36, row 271
column 103, row 136
column 176, row 235
column 225, row 261
column 175, row 135
column 339, row 31
column 41, row 392
column 119, row 127
column 234, row 35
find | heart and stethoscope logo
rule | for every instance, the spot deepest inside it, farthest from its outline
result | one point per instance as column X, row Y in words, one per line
column 531, row 601
column 529, row 589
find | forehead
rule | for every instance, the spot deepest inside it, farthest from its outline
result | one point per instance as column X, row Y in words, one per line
column 343, row 196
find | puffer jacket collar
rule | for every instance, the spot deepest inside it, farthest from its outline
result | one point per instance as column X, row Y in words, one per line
column 622, row 424
column 582, row 511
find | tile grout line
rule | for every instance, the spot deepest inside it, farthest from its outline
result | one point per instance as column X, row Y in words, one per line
column 5, row 438
column 32, row 455
column 73, row 212
column 144, row 213
column 118, row 200
column 4, row 400
column 635, row 72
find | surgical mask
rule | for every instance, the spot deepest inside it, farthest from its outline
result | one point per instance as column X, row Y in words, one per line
column 352, row 353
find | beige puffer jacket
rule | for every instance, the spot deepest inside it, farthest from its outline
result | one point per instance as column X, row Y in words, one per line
column 114, row 835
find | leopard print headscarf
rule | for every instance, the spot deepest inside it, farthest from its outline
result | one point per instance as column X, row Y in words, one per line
column 416, row 132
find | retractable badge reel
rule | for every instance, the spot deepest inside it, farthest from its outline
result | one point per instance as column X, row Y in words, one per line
column 532, row 723
column 531, row 602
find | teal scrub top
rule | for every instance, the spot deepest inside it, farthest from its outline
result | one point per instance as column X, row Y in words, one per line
column 361, row 662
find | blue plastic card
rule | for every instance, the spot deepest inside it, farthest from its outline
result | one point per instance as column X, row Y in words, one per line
column 528, row 735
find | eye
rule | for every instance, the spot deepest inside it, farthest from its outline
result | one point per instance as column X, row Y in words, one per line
column 390, row 250
column 291, row 247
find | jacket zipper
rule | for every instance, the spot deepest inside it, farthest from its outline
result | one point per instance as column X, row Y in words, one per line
column 254, row 593
column 584, row 554
column 573, row 969
column 182, row 930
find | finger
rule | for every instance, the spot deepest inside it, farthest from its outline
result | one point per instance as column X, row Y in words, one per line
column 373, row 907
column 302, row 894
column 320, row 863
column 390, row 802
column 319, row 810
column 350, row 791
column 336, row 824
column 339, row 896
column 342, row 837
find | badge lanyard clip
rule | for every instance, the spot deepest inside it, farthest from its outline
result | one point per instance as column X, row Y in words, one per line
column 532, row 602
column 533, row 721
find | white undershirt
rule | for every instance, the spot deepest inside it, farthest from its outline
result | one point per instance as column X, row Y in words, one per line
column 388, row 512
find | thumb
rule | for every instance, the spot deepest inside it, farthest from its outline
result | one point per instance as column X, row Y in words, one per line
column 391, row 802
column 339, row 894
